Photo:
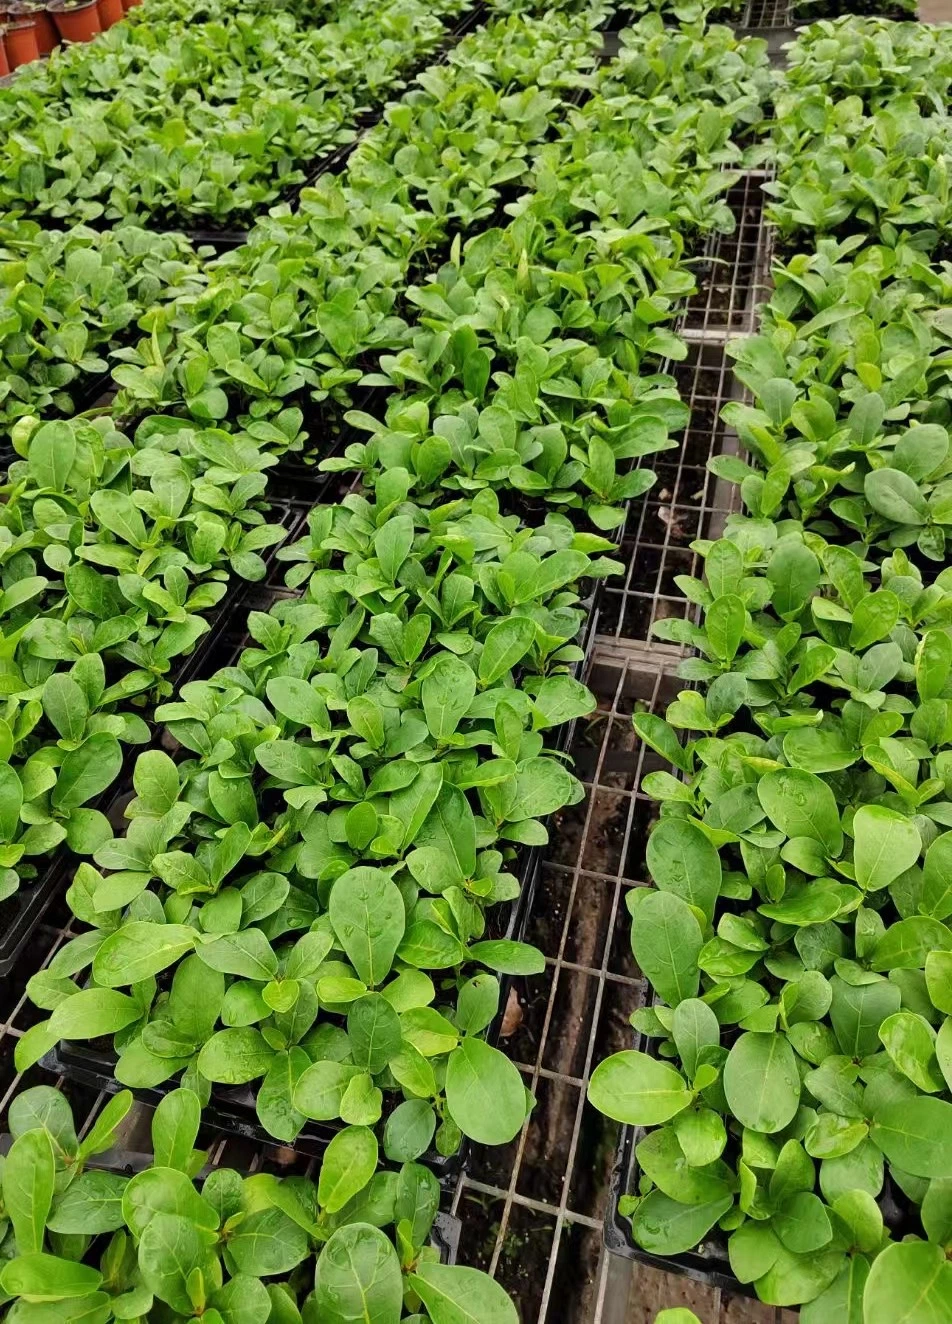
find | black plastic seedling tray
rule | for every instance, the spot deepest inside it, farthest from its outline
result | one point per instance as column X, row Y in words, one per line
column 22, row 912
column 229, row 1112
column 232, row 1111
column 708, row 1264
column 444, row 1235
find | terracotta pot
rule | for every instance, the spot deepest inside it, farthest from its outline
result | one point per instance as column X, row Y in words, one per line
column 20, row 41
column 46, row 35
column 79, row 23
column 129, row 4
column 110, row 11
column 4, row 66
column 47, row 38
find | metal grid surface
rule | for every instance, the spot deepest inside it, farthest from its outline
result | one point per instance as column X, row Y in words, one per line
column 734, row 272
column 768, row 14
column 688, row 502
column 532, row 1212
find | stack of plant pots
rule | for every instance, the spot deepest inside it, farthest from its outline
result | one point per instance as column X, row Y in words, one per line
column 44, row 29
column 21, row 38
column 32, row 28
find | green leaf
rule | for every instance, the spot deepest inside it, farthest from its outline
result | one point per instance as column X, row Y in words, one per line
column 165, row 1191
column 373, row 1028
column 753, row 1251
column 358, row 1278
column 656, row 732
column 117, row 512
column 412, row 804
column 793, row 1279
column 235, row 1056
column 761, row 1082
column 874, row 616
column 886, row 844
column 862, row 1215
column 663, row 1162
column 794, row 573
column 11, row 802
column 409, row 1130
column 936, row 899
column 843, row 1299
column 29, row 1175
column 910, row 1042
column 910, row 1283
column 802, row 1224
column 485, row 1093
column 139, row 950
column 274, row 1101
column 508, row 957
column 454, row 1294
column 170, row 1251
column 666, row 940
column 392, row 544
column 87, row 771
column 93, row 1012
column 938, row 972
column 450, row 828
column 175, row 1126
column 936, row 1212
column 91, row 1204
column 102, row 1134
column 665, row 1227
column 156, row 781
column 724, row 625
column 348, row 1165
column 505, row 645
column 801, row 805
column 297, row 700
column 694, row 1028
column 447, row 693
column 916, row 1135
column 321, row 1087
column 857, row 1012
column 637, row 1089
column 267, row 1241
column 896, row 496
column 906, row 944
column 682, row 860
column 701, row 1135
column 367, row 912
column 38, row 1277
column 247, row 954
column 65, row 705
column 52, row 453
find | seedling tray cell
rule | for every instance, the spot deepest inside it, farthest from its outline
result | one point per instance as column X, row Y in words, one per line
column 709, row 1264
column 21, row 912
column 230, row 1112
